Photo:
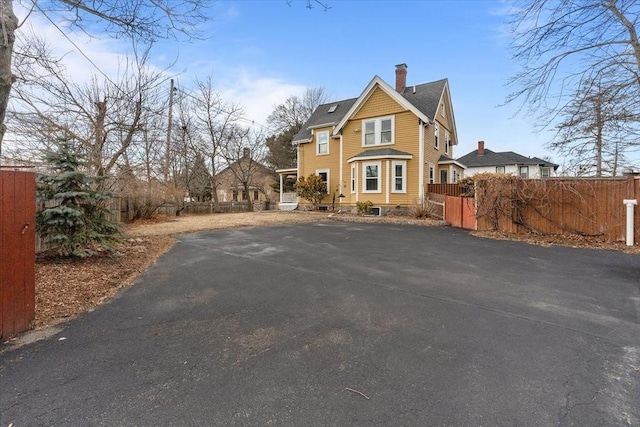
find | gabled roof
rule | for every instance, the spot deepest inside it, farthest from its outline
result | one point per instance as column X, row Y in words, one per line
column 424, row 103
column 321, row 116
column 504, row 158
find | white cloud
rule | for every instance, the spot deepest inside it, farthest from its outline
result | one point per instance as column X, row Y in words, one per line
column 259, row 94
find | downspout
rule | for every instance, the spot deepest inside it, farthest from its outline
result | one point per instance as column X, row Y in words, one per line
column 630, row 206
column 341, row 191
column 420, row 162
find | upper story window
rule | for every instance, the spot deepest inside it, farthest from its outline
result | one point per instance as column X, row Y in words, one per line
column 378, row 131
column 322, row 142
column 524, row 171
column 442, row 110
column 545, row 172
column 436, row 136
column 371, row 177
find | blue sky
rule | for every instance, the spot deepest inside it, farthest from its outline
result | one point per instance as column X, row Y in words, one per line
column 261, row 52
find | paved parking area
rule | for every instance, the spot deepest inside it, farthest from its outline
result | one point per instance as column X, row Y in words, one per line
column 346, row 324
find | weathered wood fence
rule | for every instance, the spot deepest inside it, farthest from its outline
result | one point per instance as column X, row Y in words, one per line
column 17, row 252
column 589, row 207
column 446, row 189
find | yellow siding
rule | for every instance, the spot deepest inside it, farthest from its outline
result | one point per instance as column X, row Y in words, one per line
column 406, row 139
column 310, row 162
column 378, row 104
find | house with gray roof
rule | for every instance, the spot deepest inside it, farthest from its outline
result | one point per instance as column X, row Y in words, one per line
column 484, row 160
column 384, row 146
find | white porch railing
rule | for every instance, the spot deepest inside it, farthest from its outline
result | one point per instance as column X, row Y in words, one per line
column 288, row 198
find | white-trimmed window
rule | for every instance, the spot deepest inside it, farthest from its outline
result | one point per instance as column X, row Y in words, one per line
column 324, row 174
column 545, row 172
column 442, row 110
column 353, row 178
column 524, row 171
column 499, row 169
column 444, row 176
column 371, row 175
column 322, row 143
column 432, row 173
column 447, row 141
column 378, row 131
column 436, row 136
column 454, row 179
column 399, row 176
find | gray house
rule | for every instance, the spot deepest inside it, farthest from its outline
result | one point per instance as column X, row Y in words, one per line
column 484, row 160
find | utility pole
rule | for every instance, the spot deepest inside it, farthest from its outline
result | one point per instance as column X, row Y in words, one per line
column 167, row 153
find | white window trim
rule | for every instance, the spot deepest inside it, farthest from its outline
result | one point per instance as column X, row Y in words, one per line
column 503, row 169
column 318, row 153
column 432, row 176
column 395, row 163
column 378, row 131
column 319, row 171
column 447, row 143
column 520, row 171
column 442, row 109
column 364, row 177
column 545, row 168
column 436, row 136
column 354, row 178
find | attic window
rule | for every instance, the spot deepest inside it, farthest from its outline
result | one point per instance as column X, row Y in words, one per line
column 332, row 108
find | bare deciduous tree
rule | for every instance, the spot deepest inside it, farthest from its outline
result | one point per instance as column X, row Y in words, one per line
column 580, row 66
column 145, row 20
column 594, row 131
column 105, row 119
column 287, row 119
column 244, row 152
column 216, row 120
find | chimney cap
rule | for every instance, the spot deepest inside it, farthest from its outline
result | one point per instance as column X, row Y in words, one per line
column 403, row 65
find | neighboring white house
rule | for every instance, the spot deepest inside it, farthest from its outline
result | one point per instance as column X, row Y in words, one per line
column 483, row 160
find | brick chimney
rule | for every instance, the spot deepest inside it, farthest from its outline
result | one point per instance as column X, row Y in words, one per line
column 401, row 77
column 480, row 148
column 246, row 152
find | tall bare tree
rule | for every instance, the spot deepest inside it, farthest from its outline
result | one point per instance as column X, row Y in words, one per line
column 286, row 120
column 594, row 131
column 562, row 44
column 105, row 118
column 244, row 153
column 216, row 120
column 145, row 20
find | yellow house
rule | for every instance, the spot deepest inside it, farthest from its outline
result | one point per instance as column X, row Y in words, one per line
column 384, row 146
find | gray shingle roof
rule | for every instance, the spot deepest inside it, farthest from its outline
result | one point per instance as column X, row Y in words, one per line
column 504, row 158
column 426, row 99
column 427, row 96
column 380, row 152
column 322, row 116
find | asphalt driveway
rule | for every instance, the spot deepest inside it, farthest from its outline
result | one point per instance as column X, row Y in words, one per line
column 346, row 324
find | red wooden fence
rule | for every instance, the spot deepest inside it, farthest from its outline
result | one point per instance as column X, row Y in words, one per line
column 460, row 212
column 17, row 252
